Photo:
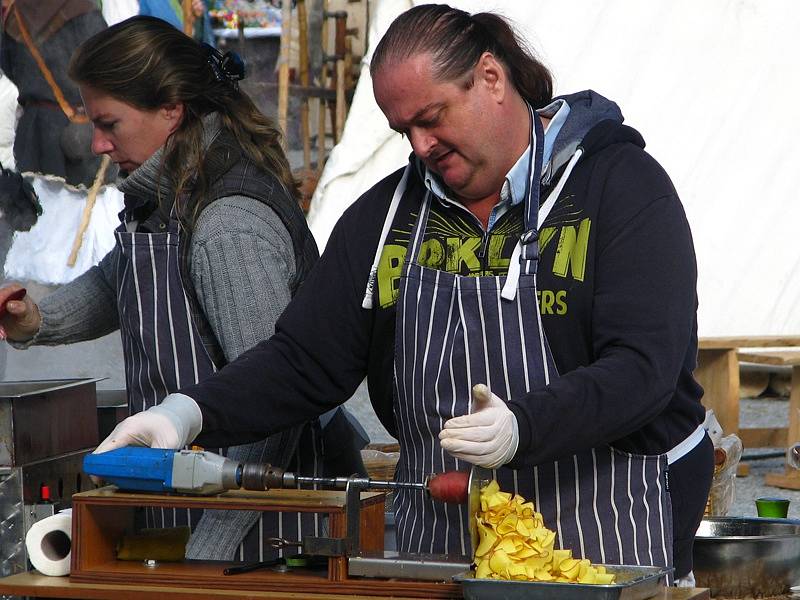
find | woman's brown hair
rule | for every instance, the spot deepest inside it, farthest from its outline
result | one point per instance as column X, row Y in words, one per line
column 147, row 63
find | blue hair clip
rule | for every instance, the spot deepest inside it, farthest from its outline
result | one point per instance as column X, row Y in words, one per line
column 228, row 67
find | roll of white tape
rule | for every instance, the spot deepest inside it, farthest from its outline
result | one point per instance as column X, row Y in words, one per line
column 49, row 544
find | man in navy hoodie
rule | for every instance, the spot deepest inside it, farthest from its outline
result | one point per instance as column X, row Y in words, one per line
column 521, row 296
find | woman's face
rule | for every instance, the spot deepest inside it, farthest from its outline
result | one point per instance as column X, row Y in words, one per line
column 127, row 134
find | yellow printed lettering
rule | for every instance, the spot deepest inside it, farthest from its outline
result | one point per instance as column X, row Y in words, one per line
column 496, row 262
column 561, row 302
column 390, row 267
column 571, row 251
column 547, row 298
column 545, row 235
column 552, row 303
column 459, row 251
column 431, row 254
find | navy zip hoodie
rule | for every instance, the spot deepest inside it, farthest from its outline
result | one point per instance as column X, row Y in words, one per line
column 617, row 292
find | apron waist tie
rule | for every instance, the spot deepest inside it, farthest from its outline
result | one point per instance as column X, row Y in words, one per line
column 687, row 445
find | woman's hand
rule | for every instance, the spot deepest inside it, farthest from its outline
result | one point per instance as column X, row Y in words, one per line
column 20, row 318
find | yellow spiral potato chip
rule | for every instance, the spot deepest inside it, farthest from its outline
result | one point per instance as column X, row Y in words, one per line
column 515, row 544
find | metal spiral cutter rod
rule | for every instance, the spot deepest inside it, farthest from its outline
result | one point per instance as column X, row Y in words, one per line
column 341, row 483
column 266, row 477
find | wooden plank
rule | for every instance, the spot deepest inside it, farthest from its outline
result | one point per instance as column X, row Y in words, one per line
column 764, row 437
column 781, row 358
column 718, row 372
column 789, row 480
column 794, row 409
column 283, row 70
column 747, row 341
column 290, row 499
column 305, row 130
column 36, row 585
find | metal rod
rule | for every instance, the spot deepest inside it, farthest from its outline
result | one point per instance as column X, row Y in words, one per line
column 375, row 484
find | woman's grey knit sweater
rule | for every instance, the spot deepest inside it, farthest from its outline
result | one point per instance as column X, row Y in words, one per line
column 241, row 262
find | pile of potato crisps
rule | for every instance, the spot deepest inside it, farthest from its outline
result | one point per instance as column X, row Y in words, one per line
column 515, row 544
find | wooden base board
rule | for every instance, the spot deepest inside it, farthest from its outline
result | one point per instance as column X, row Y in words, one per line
column 789, row 480
column 39, row 586
column 209, row 576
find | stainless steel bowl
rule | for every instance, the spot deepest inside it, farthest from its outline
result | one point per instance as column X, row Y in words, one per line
column 741, row 557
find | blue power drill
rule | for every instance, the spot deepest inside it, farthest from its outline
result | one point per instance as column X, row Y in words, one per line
column 137, row 468
column 187, row 471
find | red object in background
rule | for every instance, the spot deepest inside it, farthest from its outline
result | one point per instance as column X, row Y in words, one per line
column 18, row 295
column 44, row 493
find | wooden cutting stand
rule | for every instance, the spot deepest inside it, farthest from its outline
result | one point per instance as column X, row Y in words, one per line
column 101, row 518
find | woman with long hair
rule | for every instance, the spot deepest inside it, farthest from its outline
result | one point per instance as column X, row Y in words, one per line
column 211, row 248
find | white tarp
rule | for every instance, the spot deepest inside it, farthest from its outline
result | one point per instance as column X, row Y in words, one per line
column 8, row 109
column 41, row 254
column 711, row 86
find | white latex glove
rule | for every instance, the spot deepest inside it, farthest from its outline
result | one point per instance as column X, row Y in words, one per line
column 172, row 424
column 488, row 437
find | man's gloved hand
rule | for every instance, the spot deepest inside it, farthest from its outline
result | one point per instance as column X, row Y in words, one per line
column 488, row 437
column 172, row 424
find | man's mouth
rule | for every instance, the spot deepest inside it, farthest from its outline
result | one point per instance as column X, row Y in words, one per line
column 442, row 157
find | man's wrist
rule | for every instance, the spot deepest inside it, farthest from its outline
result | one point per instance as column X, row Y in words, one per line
column 523, row 437
column 185, row 415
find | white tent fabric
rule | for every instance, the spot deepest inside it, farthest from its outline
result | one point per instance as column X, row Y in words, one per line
column 712, row 87
column 115, row 11
column 41, row 254
column 8, row 118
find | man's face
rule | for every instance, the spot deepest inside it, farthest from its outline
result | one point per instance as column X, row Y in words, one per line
column 452, row 128
column 127, row 134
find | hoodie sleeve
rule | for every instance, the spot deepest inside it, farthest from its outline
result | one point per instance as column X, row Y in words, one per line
column 642, row 322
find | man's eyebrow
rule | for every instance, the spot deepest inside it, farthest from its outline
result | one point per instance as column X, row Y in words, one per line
column 427, row 108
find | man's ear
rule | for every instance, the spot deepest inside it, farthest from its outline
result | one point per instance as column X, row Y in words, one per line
column 490, row 73
column 173, row 114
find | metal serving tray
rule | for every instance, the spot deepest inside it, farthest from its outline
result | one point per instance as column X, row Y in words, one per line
column 633, row 583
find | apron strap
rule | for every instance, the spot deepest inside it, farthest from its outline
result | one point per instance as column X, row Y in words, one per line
column 687, row 445
column 527, row 239
column 367, row 301
column 527, row 249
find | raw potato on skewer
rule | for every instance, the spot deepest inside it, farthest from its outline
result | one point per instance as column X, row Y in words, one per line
column 515, row 544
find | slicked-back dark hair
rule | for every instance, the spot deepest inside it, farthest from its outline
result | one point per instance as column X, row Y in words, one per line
column 456, row 40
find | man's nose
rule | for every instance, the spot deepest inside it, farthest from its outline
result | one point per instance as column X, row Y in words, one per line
column 421, row 142
column 100, row 142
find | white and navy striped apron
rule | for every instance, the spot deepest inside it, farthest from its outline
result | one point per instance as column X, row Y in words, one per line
column 453, row 332
column 163, row 353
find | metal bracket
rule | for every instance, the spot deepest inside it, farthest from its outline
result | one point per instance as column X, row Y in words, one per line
column 324, row 546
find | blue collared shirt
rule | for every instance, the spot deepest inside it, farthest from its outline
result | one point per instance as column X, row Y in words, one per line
column 513, row 191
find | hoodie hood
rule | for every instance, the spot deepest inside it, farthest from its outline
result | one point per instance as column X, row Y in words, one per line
column 594, row 122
